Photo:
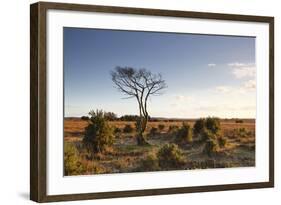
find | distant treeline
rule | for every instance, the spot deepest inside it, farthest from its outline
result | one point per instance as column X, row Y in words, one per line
column 111, row 116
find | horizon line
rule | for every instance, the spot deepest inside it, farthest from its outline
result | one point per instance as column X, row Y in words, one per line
column 175, row 118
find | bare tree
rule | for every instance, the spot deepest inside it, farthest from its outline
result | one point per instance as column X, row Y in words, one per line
column 139, row 84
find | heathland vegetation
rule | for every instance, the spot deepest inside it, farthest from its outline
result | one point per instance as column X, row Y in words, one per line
column 98, row 145
column 102, row 142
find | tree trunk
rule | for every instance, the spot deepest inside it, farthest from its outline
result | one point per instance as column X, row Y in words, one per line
column 141, row 140
column 141, row 124
column 141, row 128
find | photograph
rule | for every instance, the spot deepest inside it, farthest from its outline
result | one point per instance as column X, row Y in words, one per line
column 146, row 101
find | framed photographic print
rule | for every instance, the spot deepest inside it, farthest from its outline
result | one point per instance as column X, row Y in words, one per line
column 134, row 102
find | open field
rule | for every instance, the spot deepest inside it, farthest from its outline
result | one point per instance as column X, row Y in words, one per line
column 125, row 155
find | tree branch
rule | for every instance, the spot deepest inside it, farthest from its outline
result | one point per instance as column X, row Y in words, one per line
column 138, row 83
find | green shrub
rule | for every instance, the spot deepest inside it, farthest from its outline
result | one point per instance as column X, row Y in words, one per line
column 161, row 127
column 153, row 131
column 98, row 134
column 173, row 128
column 170, row 157
column 128, row 128
column 212, row 142
column 206, row 135
column 92, row 167
column 110, row 116
column 184, row 134
column 222, row 141
column 204, row 125
column 198, row 127
column 213, row 124
column 72, row 165
column 211, row 147
column 242, row 132
column 208, row 131
column 117, row 130
column 150, row 163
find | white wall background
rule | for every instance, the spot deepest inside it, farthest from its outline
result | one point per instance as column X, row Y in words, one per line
column 14, row 101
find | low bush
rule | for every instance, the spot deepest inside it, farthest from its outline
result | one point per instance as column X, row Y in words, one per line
column 211, row 147
column 92, row 167
column 173, row 128
column 211, row 142
column 128, row 128
column 72, row 165
column 198, row 127
column 242, row 132
column 150, row 163
column 98, row 134
column 206, row 135
column 161, row 127
column 121, row 164
column 184, row 134
column 153, row 131
column 222, row 141
column 209, row 163
column 204, row 128
column 213, row 124
column 205, row 164
column 170, row 156
column 117, row 130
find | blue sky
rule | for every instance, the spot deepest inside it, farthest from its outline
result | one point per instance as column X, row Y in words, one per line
column 206, row 75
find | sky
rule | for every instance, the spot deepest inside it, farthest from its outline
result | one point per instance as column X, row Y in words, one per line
column 206, row 75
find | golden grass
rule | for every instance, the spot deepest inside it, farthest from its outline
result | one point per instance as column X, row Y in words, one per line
column 126, row 156
column 75, row 127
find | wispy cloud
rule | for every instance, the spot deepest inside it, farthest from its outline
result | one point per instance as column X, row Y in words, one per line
column 181, row 100
column 245, row 87
column 223, row 89
column 243, row 72
column 250, row 84
column 212, row 65
column 227, row 107
column 237, row 64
